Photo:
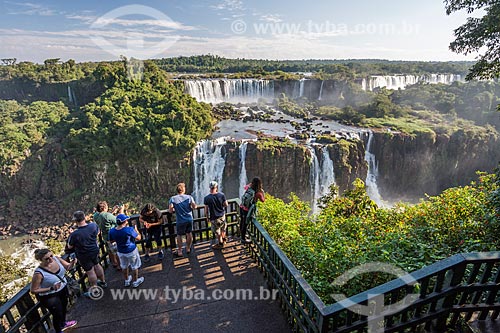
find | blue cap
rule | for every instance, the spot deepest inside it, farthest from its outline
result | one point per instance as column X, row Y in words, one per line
column 120, row 218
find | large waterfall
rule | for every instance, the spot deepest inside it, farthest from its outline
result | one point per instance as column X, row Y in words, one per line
column 371, row 176
column 243, row 170
column 209, row 162
column 401, row 81
column 230, row 90
column 322, row 175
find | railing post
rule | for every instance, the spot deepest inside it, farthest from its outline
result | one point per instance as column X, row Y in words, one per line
column 26, row 306
column 457, row 275
column 171, row 231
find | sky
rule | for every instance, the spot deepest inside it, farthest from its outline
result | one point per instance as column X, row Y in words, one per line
column 94, row 30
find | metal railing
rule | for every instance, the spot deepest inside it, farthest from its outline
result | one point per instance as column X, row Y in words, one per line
column 450, row 290
column 23, row 312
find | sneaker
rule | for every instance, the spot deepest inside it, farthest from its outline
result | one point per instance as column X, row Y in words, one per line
column 69, row 324
column 102, row 284
column 128, row 281
column 160, row 255
column 138, row 282
column 146, row 258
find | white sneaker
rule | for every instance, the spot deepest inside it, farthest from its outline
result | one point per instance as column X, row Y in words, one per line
column 138, row 282
column 128, row 281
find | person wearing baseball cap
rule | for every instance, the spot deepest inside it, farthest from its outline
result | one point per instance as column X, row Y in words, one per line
column 215, row 206
column 125, row 237
column 84, row 241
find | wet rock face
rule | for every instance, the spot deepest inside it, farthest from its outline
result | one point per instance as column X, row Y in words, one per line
column 410, row 167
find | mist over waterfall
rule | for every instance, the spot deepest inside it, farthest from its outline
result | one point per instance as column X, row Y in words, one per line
column 401, row 81
column 371, row 176
column 230, row 90
column 243, row 170
column 209, row 162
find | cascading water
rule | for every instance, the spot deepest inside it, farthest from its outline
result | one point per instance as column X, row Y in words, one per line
column 401, row 81
column 314, row 178
column 321, row 90
column 371, row 176
column 230, row 90
column 327, row 175
column 209, row 162
column 243, row 170
column 301, row 87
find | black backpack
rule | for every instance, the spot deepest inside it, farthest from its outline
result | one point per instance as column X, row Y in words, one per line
column 248, row 198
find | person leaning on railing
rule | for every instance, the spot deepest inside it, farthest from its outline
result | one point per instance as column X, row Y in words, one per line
column 255, row 187
column 50, row 286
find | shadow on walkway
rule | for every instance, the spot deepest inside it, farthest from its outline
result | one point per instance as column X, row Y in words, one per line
column 205, row 291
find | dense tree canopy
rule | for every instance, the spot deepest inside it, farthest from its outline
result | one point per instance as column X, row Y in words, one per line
column 479, row 34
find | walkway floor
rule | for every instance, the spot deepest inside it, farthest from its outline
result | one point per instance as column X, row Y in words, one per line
column 198, row 277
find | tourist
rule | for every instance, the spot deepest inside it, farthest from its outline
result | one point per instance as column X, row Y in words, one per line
column 182, row 204
column 151, row 219
column 125, row 238
column 84, row 241
column 215, row 206
column 50, row 286
column 253, row 192
column 106, row 221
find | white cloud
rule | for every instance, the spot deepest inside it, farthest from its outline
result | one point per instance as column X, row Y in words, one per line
column 230, row 5
column 28, row 8
column 273, row 18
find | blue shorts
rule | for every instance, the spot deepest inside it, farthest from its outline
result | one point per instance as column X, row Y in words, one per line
column 184, row 228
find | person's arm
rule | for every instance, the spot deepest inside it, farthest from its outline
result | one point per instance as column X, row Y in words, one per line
column 193, row 204
column 137, row 233
column 260, row 196
column 36, row 282
column 171, row 208
column 67, row 265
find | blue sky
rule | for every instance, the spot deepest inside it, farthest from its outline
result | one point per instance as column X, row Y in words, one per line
column 326, row 29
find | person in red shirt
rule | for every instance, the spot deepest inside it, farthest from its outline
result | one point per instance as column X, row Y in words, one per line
column 256, row 185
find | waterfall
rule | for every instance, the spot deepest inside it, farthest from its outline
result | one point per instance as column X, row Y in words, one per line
column 371, row 176
column 243, row 170
column 321, row 90
column 209, row 162
column 71, row 96
column 327, row 175
column 314, row 178
column 301, row 87
column 230, row 90
column 401, row 81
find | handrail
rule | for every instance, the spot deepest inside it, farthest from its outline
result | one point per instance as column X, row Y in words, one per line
column 24, row 313
column 437, row 297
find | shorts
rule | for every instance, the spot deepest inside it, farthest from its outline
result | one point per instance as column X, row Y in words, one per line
column 184, row 228
column 88, row 261
column 111, row 247
column 153, row 233
column 219, row 225
column 132, row 259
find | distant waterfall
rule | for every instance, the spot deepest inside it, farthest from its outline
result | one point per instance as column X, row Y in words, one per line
column 401, row 81
column 243, row 170
column 327, row 175
column 209, row 162
column 301, row 87
column 71, row 96
column 371, row 176
column 321, row 90
column 230, row 90
column 314, row 178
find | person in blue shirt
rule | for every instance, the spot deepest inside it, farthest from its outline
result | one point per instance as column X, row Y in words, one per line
column 125, row 238
column 182, row 204
column 215, row 206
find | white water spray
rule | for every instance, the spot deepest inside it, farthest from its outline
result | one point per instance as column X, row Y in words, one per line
column 371, row 176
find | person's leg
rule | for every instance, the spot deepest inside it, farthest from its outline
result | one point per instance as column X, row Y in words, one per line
column 99, row 272
column 179, row 245
column 158, row 241
column 92, row 276
column 243, row 224
column 55, row 307
column 189, row 241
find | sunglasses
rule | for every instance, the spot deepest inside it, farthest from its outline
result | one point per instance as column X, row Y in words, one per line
column 48, row 258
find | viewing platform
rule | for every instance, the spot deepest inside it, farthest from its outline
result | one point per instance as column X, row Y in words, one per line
column 200, row 278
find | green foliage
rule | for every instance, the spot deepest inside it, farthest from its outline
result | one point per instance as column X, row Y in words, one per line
column 12, row 276
column 478, row 34
column 25, row 128
column 352, row 230
column 139, row 118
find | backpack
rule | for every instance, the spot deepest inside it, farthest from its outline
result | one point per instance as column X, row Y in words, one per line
column 247, row 200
